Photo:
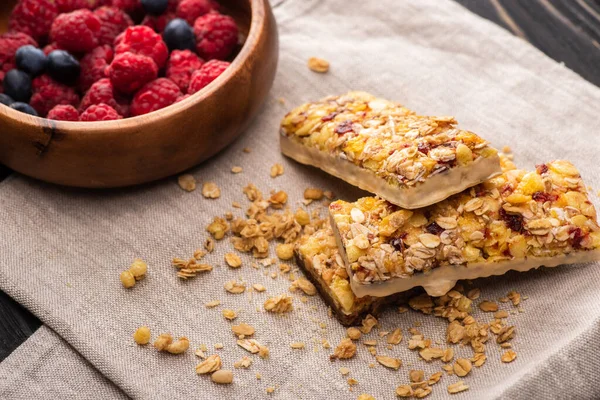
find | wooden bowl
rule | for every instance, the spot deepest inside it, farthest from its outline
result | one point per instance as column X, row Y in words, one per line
column 152, row 146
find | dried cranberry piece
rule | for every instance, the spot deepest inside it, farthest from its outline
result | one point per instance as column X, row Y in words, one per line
column 541, row 168
column 344, row 127
column 329, row 117
column 423, row 148
column 513, row 221
column 434, row 228
column 543, row 197
column 578, row 236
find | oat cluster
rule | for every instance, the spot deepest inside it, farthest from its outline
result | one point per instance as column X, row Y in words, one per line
column 393, row 142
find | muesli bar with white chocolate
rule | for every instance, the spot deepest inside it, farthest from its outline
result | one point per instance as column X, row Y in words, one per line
column 318, row 256
column 516, row 221
column 410, row 160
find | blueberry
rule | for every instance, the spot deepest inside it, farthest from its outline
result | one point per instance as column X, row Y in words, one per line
column 155, row 7
column 6, row 100
column 63, row 67
column 24, row 107
column 31, row 60
column 178, row 35
column 17, row 84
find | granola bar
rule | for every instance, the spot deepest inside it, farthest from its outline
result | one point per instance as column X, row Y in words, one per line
column 319, row 258
column 518, row 220
column 410, row 160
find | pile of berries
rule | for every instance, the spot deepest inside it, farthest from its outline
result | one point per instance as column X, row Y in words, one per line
column 99, row 60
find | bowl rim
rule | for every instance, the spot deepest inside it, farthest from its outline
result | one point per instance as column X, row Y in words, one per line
column 257, row 9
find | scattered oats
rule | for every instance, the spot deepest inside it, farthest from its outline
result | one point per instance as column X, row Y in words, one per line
column 434, row 378
column 199, row 253
column 372, row 350
column 218, row 228
column 189, row 268
column 352, row 381
column 258, row 376
column 235, row 204
column 402, row 309
column 395, row 337
column 448, row 354
column 245, row 362
column 276, row 170
column 313, row 194
column 302, row 217
column 233, row 260
column 273, row 275
column 506, row 345
column 209, row 245
column 211, row 364
column 200, row 353
column 187, row 182
column 278, row 199
column 383, row 333
column 229, row 216
column 508, row 356
column 127, row 279
column 236, row 169
column 462, row 367
column 247, row 150
column 416, row 375
column 222, row 376
column 243, row 329
column 422, row 392
column 365, row 396
column 284, row 251
column 142, row 335
column 346, row 349
column 478, row 359
column 253, row 346
column 505, row 334
column 270, row 389
column 503, row 299
column 449, row 369
column 258, row 287
column 368, row 323
column 501, row 314
column 404, row 391
column 279, row 304
column 285, row 268
column 235, row 287
column 370, row 342
column 212, row 304
column 457, row 387
column 305, row 285
column 506, row 149
column 430, row 353
column 210, row 190
column 322, row 325
column 325, row 344
column 297, row 345
column 488, row 306
column 219, row 346
column 353, row 333
column 514, row 297
column 474, row 294
column 318, row 65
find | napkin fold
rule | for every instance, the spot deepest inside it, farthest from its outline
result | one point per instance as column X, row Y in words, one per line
column 63, row 249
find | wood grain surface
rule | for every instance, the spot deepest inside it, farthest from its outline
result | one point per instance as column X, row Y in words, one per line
column 566, row 30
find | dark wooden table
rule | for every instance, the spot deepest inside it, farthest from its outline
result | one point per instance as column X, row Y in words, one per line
column 566, row 30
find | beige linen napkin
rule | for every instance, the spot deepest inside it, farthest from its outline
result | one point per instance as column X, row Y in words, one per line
column 63, row 249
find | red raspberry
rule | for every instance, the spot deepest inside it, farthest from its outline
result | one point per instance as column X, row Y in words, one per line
column 65, row 6
column 216, row 36
column 182, row 97
column 93, row 66
column 33, row 17
column 112, row 22
column 192, row 9
column 159, row 23
column 49, row 48
column 153, row 96
column 76, row 31
column 103, row 92
column 9, row 44
column 128, row 72
column 206, row 74
column 48, row 93
column 63, row 113
column 144, row 41
column 99, row 112
column 180, row 67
